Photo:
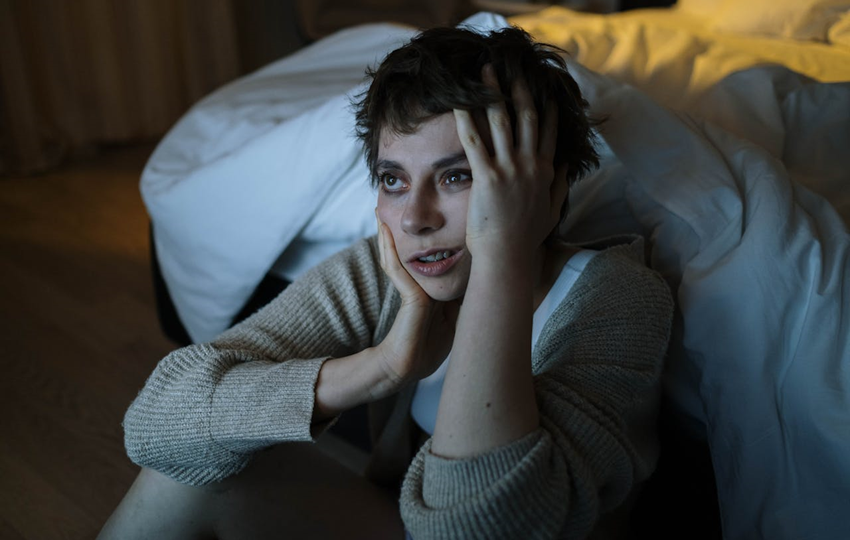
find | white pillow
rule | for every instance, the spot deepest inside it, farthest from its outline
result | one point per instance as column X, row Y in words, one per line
column 790, row 19
column 263, row 166
column 245, row 170
column 700, row 8
column 839, row 33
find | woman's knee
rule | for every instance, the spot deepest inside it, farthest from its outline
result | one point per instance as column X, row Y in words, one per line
column 295, row 488
column 292, row 487
column 156, row 506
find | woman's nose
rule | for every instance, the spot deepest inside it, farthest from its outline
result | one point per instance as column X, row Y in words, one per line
column 422, row 213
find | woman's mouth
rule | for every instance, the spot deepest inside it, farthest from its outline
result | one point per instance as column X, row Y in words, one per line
column 434, row 263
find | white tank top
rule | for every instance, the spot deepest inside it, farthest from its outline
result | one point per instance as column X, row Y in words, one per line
column 426, row 399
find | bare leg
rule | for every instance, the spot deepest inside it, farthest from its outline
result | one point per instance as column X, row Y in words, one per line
column 292, row 491
column 158, row 507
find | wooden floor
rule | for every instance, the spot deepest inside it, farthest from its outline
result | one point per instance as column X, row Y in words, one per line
column 79, row 336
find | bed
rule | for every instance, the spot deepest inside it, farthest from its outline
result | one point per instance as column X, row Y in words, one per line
column 727, row 146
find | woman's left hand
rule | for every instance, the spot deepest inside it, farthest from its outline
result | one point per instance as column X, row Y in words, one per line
column 422, row 333
column 516, row 195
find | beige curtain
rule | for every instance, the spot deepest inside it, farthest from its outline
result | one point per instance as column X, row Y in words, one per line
column 79, row 74
column 75, row 74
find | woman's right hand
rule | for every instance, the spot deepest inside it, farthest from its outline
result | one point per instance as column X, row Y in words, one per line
column 418, row 342
column 421, row 336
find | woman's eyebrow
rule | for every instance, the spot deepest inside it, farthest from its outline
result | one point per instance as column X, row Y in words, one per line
column 441, row 163
column 387, row 164
column 448, row 161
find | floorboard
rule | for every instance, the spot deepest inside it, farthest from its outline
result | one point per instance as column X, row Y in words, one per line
column 78, row 335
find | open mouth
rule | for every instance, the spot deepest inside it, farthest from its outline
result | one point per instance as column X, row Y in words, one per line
column 438, row 256
column 436, row 263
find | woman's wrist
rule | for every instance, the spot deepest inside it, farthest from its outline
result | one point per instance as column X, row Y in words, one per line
column 503, row 266
column 349, row 381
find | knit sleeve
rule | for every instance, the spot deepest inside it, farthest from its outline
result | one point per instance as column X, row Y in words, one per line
column 598, row 358
column 207, row 408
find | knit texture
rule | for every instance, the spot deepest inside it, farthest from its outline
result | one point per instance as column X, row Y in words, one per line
column 597, row 364
column 207, row 408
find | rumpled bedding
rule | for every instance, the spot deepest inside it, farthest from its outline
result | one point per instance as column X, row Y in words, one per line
column 741, row 189
column 675, row 55
column 760, row 362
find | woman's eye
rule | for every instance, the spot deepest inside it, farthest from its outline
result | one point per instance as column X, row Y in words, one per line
column 390, row 182
column 456, row 177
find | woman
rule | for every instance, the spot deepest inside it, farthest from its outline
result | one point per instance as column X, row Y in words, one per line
column 538, row 425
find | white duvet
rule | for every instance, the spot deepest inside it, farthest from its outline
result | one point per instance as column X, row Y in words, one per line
column 761, row 359
column 740, row 199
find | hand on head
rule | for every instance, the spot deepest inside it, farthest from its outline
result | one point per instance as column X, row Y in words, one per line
column 517, row 194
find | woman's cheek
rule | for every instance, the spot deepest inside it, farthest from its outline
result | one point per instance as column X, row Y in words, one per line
column 383, row 208
column 459, row 208
column 389, row 212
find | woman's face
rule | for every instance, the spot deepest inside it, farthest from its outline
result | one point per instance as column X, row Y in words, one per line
column 423, row 192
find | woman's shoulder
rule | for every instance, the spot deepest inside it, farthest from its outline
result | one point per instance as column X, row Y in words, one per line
column 617, row 286
column 352, row 275
column 628, row 246
column 617, row 305
column 619, row 266
column 363, row 251
column 359, row 260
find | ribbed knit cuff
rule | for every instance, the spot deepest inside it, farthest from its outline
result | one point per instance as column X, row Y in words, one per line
column 452, row 481
column 512, row 492
column 257, row 404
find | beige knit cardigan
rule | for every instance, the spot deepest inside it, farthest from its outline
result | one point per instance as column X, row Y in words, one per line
column 207, row 408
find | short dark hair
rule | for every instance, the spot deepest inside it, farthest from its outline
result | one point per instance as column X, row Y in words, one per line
column 440, row 70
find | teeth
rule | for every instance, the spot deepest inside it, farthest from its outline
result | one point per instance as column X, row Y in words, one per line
column 440, row 255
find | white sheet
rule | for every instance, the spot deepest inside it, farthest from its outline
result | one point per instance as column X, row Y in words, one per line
column 760, row 362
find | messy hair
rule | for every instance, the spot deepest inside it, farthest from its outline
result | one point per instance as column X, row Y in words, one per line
column 440, row 70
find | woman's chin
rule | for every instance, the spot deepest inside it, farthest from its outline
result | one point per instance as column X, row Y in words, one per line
column 443, row 293
column 448, row 286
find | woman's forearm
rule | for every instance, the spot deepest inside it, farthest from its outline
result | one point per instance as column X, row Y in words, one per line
column 346, row 382
column 488, row 396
